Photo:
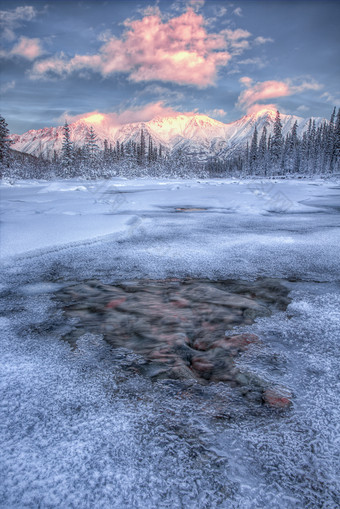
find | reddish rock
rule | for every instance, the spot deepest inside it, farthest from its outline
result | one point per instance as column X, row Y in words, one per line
column 201, row 344
column 277, row 398
column 180, row 303
column 202, row 365
column 115, row 303
column 238, row 342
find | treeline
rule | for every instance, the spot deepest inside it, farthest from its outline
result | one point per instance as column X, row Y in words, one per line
column 132, row 159
column 75, row 160
column 317, row 151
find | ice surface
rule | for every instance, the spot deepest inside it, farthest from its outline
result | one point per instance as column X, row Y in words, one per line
column 79, row 429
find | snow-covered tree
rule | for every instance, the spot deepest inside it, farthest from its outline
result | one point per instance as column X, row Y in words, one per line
column 276, row 144
column 337, row 138
column 141, row 149
column 253, row 152
column 291, row 152
column 262, row 152
column 91, row 144
column 5, row 141
column 67, row 149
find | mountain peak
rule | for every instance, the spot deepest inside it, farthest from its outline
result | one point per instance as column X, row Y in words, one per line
column 195, row 133
column 264, row 112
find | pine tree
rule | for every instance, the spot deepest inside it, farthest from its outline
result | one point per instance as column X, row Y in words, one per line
column 142, row 145
column 5, row 141
column 247, row 158
column 337, row 139
column 67, row 149
column 262, row 151
column 106, row 149
column 330, row 150
column 253, row 152
column 141, row 149
column 92, row 145
column 277, row 142
column 292, row 159
column 150, row 151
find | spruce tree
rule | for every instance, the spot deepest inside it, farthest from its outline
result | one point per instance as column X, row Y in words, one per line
column 277, row 141
column 337, row 139
column 67, row 149
column 106, row 149
column 92, row 145
column 141, row 149
column 262, row 152
column 330, row 150
column 5, row 141
column 142, row 145
column 292, row 149
column 253, row 152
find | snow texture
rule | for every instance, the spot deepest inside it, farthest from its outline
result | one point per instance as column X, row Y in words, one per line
column 78, row 429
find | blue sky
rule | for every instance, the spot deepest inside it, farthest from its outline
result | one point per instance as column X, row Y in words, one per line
column 64, row 59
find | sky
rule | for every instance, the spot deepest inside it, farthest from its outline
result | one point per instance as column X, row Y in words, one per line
column 63, row 60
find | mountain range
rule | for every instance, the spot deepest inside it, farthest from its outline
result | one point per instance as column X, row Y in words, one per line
column 198, row 136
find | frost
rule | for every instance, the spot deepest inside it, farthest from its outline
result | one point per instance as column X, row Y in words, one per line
column 81, row 428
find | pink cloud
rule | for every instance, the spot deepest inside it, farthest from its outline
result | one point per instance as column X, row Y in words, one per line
column 262, row 91
column 27, row 48
column 255, row 108
column 140, row 114
column 246, row 81
column 179, row 50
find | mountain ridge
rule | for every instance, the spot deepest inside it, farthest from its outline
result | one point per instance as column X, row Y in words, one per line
column 199, row 135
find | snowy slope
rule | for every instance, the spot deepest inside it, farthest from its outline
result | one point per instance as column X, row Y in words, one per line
column 196, row 135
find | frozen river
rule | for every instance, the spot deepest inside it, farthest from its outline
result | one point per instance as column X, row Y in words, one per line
column 83, row 426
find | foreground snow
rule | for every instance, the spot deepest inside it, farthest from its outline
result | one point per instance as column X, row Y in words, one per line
column 78, row 431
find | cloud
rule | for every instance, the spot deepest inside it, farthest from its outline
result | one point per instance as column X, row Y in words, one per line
column 138, row 114
column 257, row 61
column 262, row 91
column 263, row 40
column 329, row 98
column 196, row 4
column 237, row 40
column 302, row 108
column 246, row 81
column 179, row 50
column 217, row 113
column 7, row 86
column 27, row 48
column 237, row 11
column 9, row 20
column 161, row 92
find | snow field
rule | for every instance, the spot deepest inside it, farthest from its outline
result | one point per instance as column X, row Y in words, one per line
column 78, row 429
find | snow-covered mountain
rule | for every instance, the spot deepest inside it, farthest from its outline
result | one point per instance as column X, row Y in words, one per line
column 196, row 135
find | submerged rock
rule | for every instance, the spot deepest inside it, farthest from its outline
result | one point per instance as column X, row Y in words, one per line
column 180, row 327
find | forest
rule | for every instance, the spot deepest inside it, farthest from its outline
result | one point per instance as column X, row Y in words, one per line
column 316, row 152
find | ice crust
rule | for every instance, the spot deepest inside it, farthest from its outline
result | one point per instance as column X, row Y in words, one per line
column 78, row 430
